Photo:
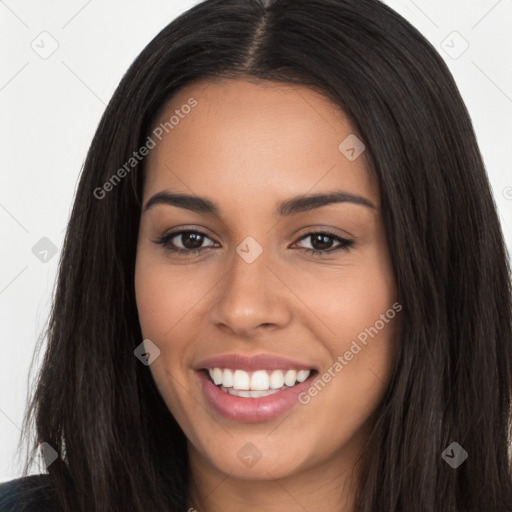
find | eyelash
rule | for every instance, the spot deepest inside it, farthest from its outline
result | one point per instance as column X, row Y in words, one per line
column 164, row 240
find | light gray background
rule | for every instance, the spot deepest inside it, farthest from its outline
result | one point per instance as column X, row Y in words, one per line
column 51, row 107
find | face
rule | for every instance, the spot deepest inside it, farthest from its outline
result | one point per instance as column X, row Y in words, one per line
column 247, row 295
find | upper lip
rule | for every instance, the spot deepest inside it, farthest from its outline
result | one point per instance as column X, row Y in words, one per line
column 252, row 363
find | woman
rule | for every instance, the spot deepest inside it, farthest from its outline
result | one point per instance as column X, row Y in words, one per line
column 284, row 283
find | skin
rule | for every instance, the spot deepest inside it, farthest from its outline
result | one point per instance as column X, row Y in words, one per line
column 248, row 146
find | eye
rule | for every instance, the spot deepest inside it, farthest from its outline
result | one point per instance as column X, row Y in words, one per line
column 191, row 242
column 322, row 238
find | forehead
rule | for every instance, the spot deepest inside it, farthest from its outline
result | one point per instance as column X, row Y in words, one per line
column 242, row 139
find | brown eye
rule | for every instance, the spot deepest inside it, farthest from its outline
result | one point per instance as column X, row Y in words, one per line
column 321, row 242
column 191, row 241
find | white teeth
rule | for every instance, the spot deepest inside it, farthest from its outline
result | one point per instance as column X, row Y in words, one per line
column 302, row 375
column 216, row 375
column 290, row 377
column 276, row 379
column 237, row 392
column 258, row 381
column 227, row 378
column 240, row 380
column 250, row 393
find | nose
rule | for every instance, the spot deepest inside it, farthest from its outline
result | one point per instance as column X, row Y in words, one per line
column 250, row 297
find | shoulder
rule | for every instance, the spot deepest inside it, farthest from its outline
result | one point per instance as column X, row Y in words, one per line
column 32, row 493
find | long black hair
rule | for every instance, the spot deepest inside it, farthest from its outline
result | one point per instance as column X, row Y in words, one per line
column 94, row 402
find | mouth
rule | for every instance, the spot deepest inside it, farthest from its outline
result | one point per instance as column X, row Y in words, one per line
column 279, row 392
column 258, row 383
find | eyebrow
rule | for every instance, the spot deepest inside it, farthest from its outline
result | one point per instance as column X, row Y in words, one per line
column 295, row 205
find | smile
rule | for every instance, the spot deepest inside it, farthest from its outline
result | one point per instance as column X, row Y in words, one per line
column 256, row 384
column 252, row 405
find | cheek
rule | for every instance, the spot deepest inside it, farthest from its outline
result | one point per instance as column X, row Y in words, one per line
column 352, row 298
column 357, row 377
column 168, row 303
column 359, row 327
column 162, row 307
column 164, row 297
column 153, row 301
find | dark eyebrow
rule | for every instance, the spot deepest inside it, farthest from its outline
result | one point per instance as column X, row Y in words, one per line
column 305, row 203
column 291, row 206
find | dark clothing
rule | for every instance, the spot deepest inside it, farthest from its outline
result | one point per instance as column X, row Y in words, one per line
column 32, row 493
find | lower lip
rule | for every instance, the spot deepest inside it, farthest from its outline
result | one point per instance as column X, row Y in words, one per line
column 252, row 410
